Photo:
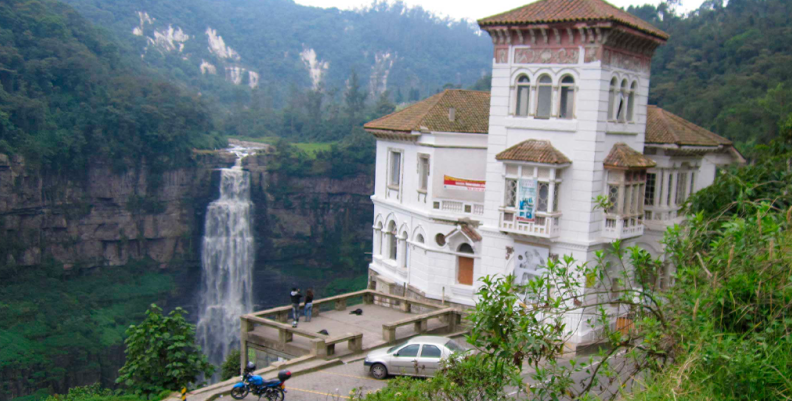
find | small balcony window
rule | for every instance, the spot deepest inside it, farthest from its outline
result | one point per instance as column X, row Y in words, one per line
column 626, row 193
column 546, row 191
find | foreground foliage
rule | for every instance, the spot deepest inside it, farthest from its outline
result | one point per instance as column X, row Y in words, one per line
column 51, row 318
column 161, row 354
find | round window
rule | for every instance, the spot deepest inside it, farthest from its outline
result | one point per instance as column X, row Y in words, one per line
column 440, row 239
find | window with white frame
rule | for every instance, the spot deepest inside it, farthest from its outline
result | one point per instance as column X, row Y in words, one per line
column 612, row 98
column 681, row 193
column 567, row 98
column 631, row 102
column 394, row 175
column 548, row 186
column 523, row 96
column 544, row 97
column 423, row 173
column 650, row 189
column 670, row 189
column 692, row 182
column 510, row 193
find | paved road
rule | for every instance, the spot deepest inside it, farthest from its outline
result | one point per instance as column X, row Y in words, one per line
column 332, row 384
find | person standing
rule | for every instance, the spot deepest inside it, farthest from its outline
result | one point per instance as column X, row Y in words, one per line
column 309, row 296
column 295, row 299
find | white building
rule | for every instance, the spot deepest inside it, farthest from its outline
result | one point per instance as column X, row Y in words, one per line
column 470, row 184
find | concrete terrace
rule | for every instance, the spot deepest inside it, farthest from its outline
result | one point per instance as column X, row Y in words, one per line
column 386, row 319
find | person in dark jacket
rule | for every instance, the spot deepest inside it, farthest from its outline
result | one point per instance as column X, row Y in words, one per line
column 295, row 299
column 309, row 296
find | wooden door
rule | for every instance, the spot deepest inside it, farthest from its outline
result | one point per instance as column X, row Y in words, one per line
column 465, row 272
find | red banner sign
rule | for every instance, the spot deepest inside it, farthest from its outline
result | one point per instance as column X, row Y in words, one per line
column 464, row 184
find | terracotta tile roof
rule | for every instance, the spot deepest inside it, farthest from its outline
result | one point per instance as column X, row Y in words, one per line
column 623, row 156
column 663, row 127
column 471, row 233
column 471, row 114
column 535, row 151
column 550, row 11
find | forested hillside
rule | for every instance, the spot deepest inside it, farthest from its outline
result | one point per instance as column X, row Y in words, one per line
column 726, row 67
column 223, row 48
column 68, row 95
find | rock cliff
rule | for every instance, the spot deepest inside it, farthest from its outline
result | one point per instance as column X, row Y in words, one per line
column 106, row 218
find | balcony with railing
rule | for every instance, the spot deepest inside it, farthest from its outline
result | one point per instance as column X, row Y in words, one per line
column 545, row 225
column 457, row 207
column 618, row 227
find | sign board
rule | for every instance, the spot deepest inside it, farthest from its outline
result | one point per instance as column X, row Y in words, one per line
column 463, row 184
column 526, row 200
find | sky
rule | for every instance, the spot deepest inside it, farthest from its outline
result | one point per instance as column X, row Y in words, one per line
column 474, row 9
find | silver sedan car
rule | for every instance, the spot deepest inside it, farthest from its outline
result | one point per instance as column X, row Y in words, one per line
column 419, row 356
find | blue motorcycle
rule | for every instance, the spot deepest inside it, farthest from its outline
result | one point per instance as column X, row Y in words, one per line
column 272, row 390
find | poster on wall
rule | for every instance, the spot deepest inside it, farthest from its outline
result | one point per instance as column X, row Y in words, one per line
column 529, row 263
column 464, row 184
column 526, row 198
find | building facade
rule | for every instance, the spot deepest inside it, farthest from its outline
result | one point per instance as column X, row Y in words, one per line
column 471, row 183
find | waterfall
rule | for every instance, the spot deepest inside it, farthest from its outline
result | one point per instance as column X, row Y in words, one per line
column 227, row 257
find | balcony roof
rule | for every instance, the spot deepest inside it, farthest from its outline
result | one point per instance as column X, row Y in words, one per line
column 533, row 151
column 623, row 156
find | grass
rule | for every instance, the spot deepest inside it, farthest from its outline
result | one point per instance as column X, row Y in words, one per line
column 308, row 147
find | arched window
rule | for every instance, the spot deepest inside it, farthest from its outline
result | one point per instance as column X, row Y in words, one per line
column 392, row 243
column 419, row 239
column 544, row 100
column 621, row 112
column 465, row 265
column 612, row 98
column 566, row 109
column 523, row 96
column 631, row 102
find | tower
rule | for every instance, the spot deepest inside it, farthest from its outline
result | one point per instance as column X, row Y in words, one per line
column 570, row 83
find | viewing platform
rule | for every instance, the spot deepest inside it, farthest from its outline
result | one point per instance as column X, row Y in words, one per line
column 385, row 319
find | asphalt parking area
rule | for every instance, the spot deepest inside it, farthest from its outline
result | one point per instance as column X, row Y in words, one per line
column 333, row 383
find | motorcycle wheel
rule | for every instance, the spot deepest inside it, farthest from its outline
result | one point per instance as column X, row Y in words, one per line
column 239, row 393
column 275, row 394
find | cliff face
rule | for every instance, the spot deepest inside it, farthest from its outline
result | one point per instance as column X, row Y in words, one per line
column 106, row 218
column 299, row 218
column 315, row 227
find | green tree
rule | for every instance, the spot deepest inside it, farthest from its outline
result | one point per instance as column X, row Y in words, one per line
column 230, row 366
column 161, row 354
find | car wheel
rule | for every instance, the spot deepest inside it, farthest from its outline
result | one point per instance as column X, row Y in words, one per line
column 379, row 371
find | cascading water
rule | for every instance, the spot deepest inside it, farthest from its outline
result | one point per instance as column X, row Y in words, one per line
column 227, row 258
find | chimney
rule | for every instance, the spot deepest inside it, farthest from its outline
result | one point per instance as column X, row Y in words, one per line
column 451, row 114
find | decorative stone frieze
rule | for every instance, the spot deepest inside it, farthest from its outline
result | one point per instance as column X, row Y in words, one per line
column 546, row 56
column 625, row 61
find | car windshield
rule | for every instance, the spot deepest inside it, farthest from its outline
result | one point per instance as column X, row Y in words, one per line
column 453, row 346
column 395, row 347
